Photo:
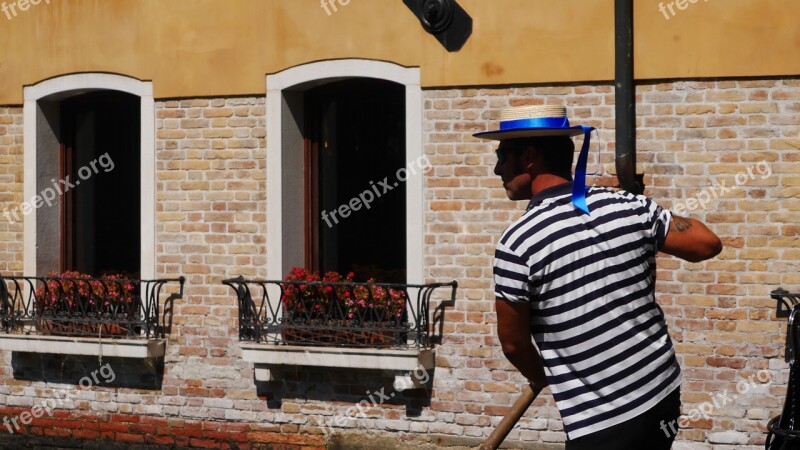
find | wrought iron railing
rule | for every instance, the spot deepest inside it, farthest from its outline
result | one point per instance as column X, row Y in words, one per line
column 345, row 314
column 783, row 431
column 785, row 301
column 97, row 307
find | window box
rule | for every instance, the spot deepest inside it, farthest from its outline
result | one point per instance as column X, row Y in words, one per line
column 316, row 323
column 87, row 316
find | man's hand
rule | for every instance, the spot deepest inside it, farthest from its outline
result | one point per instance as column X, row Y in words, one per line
column 689, row 239
column 514, row 331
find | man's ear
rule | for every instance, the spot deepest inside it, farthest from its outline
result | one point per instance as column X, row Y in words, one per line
column 529, row 158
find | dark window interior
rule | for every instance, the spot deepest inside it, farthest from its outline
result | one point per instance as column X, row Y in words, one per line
column 101, row 215
column 356, row 138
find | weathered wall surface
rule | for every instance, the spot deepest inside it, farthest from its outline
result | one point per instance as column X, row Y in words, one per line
column 188, row 47
column 694, row 137
column 723, row 151
column 10, row 189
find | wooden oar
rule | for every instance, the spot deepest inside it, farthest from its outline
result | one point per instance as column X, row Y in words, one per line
column 511, row 418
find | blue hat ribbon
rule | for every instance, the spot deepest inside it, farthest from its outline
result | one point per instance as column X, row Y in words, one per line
column 579, row 185
column 539, row 122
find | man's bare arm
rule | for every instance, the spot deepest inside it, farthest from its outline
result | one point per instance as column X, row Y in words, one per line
column 514, row 331
column 691, row 240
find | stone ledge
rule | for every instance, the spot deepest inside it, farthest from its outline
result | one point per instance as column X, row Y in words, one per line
column 268, row 359
column 66, row 345
column 364, row 440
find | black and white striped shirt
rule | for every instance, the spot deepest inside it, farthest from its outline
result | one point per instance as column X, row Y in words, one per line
column 590, row 280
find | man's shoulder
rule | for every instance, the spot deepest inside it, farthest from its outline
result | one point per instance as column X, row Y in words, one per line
column 608, row 196
column 556, row 208
column 531, row 223
column 610, row 192
column 557, row 212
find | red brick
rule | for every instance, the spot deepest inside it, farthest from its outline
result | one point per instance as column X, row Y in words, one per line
column 157, row 421
column 187, row 432
column 125, row 418
column 114, row 427
column 57, row 432
column 126, row 437
column 204, row 443
column 160, row 440
column 141, row 429
column 85, row 434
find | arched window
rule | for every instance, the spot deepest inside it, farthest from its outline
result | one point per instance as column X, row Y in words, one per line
column 356, row 219
column 89, row 176
column 336, row 132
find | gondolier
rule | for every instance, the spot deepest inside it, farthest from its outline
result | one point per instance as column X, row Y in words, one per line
column 577, row 270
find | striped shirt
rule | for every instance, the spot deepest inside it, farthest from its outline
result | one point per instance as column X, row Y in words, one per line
column 590, row 280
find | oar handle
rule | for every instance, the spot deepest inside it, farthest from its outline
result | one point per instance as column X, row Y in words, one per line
column 511, row 418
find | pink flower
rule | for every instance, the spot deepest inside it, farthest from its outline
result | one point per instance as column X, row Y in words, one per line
column 73, row 289
column 357, row 299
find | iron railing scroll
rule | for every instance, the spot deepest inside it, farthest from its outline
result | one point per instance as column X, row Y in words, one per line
column 784, row 430
column 345, row 314
column 97, row 307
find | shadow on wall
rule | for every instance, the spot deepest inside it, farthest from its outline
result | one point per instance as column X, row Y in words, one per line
column 437, row 321
column 446, row 20
column 87, row 371
column 364, row 388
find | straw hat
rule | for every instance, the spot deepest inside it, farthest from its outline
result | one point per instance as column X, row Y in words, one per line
column 532, row 121
column 546, row 120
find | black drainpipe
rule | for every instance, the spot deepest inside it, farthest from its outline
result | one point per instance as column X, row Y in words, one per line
column 625, row 92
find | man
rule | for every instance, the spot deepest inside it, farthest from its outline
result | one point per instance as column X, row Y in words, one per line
column 577, row 270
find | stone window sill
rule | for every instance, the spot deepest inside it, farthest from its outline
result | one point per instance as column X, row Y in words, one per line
column 270, row 358
column 87, row 346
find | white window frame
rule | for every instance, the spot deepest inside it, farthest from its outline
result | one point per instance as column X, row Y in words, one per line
column 285, row 221
column 76, row 84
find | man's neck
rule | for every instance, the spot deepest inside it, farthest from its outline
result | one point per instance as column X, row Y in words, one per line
column 546, row 180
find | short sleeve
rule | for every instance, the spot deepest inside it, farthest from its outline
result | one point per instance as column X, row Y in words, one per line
column 511, row 279
column 658, row 220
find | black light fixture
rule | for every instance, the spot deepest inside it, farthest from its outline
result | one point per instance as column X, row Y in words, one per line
column 436, row 15
column 446, row 20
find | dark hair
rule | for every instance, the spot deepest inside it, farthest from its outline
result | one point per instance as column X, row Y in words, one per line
column 557, row 152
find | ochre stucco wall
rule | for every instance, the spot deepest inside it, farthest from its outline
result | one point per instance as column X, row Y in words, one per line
column 213, row 47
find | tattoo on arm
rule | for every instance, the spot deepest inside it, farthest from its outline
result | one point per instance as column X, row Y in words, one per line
column 680, row 223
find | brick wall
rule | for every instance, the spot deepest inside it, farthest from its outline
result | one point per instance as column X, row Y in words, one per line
column 692, row 135
column 10, row 189
column 211, row 224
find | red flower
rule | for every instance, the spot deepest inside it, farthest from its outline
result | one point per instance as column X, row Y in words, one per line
column 74, row 289
column 360, row 302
